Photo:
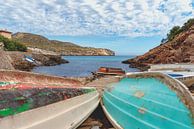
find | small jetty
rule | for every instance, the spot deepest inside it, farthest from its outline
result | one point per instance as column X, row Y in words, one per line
column 172, row 67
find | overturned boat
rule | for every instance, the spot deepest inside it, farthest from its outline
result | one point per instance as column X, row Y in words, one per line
column 34, row 101
column 149, row 101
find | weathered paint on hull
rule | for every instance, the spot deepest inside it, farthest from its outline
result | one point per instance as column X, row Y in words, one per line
column 14, row 101
column 67, row 114
column 145, row 103
column 19, row 85
column 35, row 101
column 35, row 78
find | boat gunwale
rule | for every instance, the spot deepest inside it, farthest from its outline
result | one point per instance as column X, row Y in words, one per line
column 110, row 118
column 37, row 78
column 31, row 73
column 138, row 107
column 176, row 85
column 14, row 117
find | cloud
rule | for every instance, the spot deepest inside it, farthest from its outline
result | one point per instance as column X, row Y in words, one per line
column 130, row 18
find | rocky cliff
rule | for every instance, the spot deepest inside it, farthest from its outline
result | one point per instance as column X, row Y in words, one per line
column 42, row 58
column 63, row 48
column 178, row 50
column 11, row 60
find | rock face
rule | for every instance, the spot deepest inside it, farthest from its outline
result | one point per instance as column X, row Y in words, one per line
column 179, row 50
column 15, row 60
column 63, row 48
column 47, row 58
column 42, row 59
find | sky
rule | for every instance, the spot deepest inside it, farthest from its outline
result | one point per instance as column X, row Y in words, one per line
column 129, row 27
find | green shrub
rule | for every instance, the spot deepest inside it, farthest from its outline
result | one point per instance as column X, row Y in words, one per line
column 187, row 25
column 173, row 32
column 177, row 29
column 11, row 45
column 20, row 47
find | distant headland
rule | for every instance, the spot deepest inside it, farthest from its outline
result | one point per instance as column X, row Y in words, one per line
column 24, row 51
column 63, row 48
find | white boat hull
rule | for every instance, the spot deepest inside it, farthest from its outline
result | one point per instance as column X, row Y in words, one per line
column 67, row 114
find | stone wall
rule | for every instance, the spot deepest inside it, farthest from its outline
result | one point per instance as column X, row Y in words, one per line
column 174, row 67
column 5, row 60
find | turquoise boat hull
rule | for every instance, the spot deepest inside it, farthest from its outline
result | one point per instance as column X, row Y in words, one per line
column 146, row 103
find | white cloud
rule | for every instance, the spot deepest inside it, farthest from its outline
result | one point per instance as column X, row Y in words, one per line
column 94, row 17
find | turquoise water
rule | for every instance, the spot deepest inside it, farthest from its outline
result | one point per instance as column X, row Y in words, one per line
column 146, row 103
column 84, row 65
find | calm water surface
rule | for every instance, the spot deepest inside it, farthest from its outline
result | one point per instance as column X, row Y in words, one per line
column 81, row 66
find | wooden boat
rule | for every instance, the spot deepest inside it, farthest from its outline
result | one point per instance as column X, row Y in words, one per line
column 149, row 101
column 110, row 71
column 34, row 101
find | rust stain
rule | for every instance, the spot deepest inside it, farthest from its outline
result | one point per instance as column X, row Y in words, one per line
column 142, row 110
column 139, row 94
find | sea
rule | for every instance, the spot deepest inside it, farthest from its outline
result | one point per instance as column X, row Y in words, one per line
column 82, row 66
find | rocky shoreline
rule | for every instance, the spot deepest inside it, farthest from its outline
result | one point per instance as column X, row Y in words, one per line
column 19, row 63
column 16, row 60
column 41, row 51
column 135, row 64
column 178, row 50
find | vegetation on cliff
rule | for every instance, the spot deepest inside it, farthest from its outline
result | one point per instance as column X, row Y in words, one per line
column 178, row 48
column 177, row 30
column 12, row 58
column 11, row 45
column 63, row 48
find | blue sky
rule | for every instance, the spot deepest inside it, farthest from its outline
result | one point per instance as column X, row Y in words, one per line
column 121, row 45
column 125, row 26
